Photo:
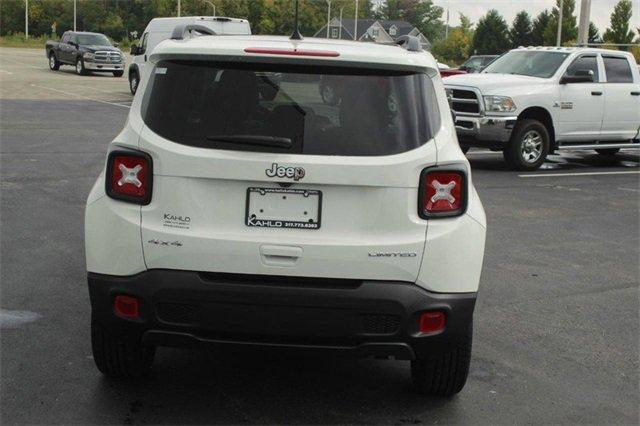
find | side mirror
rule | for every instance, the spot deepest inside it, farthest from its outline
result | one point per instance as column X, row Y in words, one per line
column 135, row 50
column 116, row 44
column 462, row 68
column 581, row 76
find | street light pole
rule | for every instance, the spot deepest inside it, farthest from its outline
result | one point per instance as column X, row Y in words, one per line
column 559, row 40
column 179, row 7
column 340, row 30
column 74, row 14
column 212, row 5
column 355, row 30
column 583, row 30
column 26, row 18
column 328, row 16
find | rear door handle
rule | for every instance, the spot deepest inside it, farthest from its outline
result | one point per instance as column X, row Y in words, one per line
column 635, row 93
column 596, row 93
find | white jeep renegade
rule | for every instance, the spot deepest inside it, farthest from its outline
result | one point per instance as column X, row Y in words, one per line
column 237, row 208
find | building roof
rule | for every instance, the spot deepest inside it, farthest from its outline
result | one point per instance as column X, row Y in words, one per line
column 390, row 30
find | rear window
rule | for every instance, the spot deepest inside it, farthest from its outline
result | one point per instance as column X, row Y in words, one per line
column 290, row 109
column 618, row 70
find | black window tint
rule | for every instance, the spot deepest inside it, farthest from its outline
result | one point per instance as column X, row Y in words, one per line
column 584, row 63
column 618, row 70
column 321, row 111
column 145, row 40
column 65, row 38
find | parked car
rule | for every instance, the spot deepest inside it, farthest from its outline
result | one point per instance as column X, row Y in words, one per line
column 230, row 219
column 535, row 101
column 445, row 70
column 477, row 63
column 86, row 52
column 160, row 29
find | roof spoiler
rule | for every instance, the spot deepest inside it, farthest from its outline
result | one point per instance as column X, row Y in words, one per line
column 181, row 30
column 411, row 43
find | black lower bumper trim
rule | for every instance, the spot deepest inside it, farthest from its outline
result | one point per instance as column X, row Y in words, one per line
column 367, row 318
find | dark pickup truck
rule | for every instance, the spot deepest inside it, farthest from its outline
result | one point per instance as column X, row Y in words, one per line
column 85, row 51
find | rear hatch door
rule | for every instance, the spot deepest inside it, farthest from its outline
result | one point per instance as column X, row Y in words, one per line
column 286, row 170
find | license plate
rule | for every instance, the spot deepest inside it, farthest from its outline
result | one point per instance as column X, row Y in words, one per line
column 283, row 208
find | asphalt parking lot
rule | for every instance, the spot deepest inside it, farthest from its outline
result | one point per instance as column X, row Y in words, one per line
column 556, row 328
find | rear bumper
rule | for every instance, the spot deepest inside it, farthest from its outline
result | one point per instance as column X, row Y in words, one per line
column 484, row 131
column 363, row 318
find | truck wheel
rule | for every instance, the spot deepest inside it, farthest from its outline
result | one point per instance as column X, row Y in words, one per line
column 134, row 81
column 118, row 73
column 54, row 65
column 608, row 151
column 445, row 375
column 80, row 70
column 528, row 147
column 118, row 355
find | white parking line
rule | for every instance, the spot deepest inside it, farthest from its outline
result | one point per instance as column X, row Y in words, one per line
column 580, row 174
column 81, row 96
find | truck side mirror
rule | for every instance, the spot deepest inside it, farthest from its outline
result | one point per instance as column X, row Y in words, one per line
column 135, row 50
column 581, row 76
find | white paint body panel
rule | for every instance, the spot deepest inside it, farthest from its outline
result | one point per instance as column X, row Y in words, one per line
column 369, row 206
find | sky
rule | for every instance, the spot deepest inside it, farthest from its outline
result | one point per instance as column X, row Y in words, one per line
column 600, row 9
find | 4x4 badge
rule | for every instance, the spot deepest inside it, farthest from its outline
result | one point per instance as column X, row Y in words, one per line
column 295, row 173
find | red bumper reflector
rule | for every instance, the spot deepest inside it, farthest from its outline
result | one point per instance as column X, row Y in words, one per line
column 431, row 322
column 293, row 52
column 126, row 306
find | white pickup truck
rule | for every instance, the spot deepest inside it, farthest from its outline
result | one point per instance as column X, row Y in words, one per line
column 531, row 102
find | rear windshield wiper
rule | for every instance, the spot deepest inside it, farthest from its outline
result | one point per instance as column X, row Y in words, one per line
column 276, row 141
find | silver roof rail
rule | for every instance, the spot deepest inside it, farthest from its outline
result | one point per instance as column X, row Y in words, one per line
column 411, row 43
column 181, row 30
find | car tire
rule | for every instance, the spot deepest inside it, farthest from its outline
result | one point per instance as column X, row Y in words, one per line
column 608, row 151
column 80, row 69
column 444, row 375
column 119, row 355
column 54, row 64
column 134, row 82
column 529, row 145
column 118, row 73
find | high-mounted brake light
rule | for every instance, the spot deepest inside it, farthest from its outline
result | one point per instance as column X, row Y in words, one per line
column 129, row 176
column 292, row 52
column 442, row 193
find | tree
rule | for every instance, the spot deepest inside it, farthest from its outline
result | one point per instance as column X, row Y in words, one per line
column 466, row 25
column 620, row 33
column 422, row 14
column 594, row 34
column 454, row 49
column 491, row 36
column 521, row 30
column 540, row 24
column 569, row 24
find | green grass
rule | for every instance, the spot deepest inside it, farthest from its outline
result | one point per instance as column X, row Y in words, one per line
column 18, row 40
